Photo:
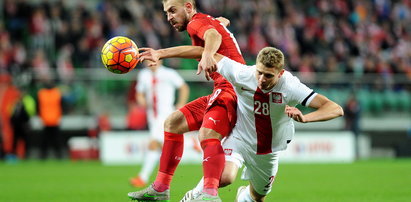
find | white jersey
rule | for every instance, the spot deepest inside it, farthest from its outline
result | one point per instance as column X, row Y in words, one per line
column 159, row 89
column 261, row 121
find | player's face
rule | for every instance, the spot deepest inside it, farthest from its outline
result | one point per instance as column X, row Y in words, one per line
column 267, row 77
column 176, row 14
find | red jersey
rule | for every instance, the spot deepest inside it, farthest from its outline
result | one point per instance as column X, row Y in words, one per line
column 196, row 28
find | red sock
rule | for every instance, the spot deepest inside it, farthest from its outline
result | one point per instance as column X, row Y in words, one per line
column 170, row 158
column 213, row 164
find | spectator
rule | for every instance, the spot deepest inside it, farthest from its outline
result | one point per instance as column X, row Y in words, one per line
column 50, row 112
column 23, row 110
column 155, row 91
column 9, row 95
column 368, row 29
column 316, row 35
column 352, row 111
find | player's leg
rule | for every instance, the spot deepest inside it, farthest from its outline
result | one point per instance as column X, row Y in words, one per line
column 193, row 193
column 186, row 119
column 178, row 123
column 248, row 194
column 229, row 174
column 256, row 196
column 174, row 128
column 152, row 155
column 218, row 121
column 171, row 155
column 215, row 127
column 213, row 155
column 233, row 149
column 151, row 159
column 261, row 176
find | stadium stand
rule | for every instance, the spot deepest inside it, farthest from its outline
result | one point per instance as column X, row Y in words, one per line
column 360, row 46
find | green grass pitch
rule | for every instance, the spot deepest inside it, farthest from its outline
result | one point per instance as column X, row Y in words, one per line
column 375, row 180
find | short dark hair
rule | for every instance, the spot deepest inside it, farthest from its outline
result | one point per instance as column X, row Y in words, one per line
column 193, row 2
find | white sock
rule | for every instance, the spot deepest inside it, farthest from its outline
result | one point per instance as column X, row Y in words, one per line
column 199, row 188
column 150, row 162
column 245, row 195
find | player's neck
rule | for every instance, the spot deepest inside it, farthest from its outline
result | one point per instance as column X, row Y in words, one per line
column 192, row 15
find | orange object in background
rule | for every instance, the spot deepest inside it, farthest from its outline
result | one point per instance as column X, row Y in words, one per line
column 9, row 95
column 50, row 106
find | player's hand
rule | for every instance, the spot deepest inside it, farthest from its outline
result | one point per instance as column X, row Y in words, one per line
column 149, row 54
column 208, row 64
column 224, row 21
column 295, row 114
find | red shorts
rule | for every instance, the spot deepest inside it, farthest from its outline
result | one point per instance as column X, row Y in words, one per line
column 217, row 111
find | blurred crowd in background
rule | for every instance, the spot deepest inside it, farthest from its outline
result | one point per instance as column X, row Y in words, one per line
column 361, row 36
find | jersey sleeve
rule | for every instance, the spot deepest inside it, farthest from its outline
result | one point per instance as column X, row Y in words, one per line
column 300, row 93
column 230, row 69
column 198, row 27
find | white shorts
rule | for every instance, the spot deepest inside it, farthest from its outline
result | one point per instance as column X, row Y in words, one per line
column 260, row 170
column 156, row 127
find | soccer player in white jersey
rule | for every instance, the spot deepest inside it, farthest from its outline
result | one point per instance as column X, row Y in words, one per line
column 267, row 96
column 155, row 90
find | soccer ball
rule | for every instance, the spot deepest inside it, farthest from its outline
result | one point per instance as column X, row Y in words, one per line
column 120, row 55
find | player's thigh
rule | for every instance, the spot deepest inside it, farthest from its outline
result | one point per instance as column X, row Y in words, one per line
column 261, row 171
column 216, row 123
column 193, row 113
column 176, row 123
column 232, row 150
column 229, row 173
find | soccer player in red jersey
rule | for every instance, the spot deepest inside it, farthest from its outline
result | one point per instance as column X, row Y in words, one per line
column 213, row 115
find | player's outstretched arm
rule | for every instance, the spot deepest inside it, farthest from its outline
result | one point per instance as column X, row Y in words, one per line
column 190, row 52
column 326, row 110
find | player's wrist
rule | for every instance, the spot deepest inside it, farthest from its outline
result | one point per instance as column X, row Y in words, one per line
column 162, row 53
column 207, row 54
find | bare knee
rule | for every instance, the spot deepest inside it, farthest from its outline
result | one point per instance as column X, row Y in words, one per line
column 229, row 174
column 226, row 180
column 206, row 133
column 176, row 123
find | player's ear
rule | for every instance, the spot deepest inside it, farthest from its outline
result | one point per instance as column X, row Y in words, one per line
column 188, row 7
column 281, row 73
